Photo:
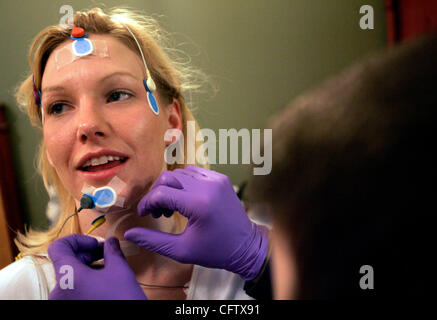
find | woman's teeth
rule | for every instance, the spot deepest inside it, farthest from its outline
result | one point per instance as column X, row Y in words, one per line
column 101, row 160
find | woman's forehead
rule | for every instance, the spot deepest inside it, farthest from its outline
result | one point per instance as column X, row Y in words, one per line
column 118, row 58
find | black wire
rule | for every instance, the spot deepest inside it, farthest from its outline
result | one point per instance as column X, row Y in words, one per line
column 67, row 220
column 158, row 286
column 86, row 202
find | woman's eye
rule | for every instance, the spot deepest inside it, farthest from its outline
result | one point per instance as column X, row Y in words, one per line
column 57, row 108
column 118, row 96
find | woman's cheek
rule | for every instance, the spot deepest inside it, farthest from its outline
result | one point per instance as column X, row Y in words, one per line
column 58, row 152
column 148, row 133
column 56, row 149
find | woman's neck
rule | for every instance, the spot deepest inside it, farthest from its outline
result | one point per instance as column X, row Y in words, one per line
column 149, row 268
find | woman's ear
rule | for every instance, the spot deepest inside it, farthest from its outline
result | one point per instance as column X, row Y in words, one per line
column 174, row 116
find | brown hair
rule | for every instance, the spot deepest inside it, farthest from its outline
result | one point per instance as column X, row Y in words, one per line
column 350, row 184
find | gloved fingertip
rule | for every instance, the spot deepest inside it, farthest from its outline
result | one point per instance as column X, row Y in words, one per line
column 167, row 178
column 131, row 235
column 112, row 249
column 141, row 208
column 112, row 243
column 137, row 235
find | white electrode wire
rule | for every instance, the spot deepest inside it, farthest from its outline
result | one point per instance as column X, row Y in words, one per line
column 139, row 47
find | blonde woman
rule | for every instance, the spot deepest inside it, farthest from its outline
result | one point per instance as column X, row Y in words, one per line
column 104, row 93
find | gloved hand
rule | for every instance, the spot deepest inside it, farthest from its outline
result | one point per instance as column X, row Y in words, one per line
column 219, row 233
column 71, row 257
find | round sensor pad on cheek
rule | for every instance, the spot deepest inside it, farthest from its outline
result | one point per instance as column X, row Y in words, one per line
column 104, row 197
column 107, row 197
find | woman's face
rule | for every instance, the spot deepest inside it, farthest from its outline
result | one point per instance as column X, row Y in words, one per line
column 96, row 111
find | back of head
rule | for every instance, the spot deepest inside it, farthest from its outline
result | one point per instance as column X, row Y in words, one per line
column 353, row 167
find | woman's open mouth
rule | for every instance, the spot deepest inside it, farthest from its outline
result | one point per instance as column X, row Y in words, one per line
column 102, row 167
column 102, row 163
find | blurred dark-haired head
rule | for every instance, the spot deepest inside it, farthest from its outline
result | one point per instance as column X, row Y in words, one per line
column 353, row 177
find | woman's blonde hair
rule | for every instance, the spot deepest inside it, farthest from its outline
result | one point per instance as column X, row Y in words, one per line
column 172, row 79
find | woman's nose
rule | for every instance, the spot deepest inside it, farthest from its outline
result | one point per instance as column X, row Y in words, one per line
column 92, row 124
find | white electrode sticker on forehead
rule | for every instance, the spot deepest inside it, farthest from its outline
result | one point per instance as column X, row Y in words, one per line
column 79, row 49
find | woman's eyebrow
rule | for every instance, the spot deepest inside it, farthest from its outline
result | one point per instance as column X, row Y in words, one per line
column 53, row 88
column 118, row 73
column 103, row 79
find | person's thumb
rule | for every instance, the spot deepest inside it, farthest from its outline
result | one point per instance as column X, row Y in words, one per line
column 160, row 242
column 112, row 253
column 73, row 248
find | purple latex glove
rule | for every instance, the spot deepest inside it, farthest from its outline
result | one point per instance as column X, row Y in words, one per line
column 219, row 233
column 72, row 256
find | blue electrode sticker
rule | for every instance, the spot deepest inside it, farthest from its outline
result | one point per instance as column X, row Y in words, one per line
column 79, row 48
column 82, row 47
column 150, row 97
column 105, row 197
column 109, row 198
column 152, row 103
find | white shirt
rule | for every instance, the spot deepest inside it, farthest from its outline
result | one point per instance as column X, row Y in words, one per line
column 33, row 277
